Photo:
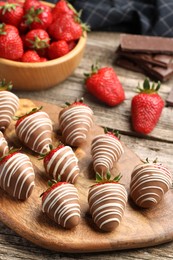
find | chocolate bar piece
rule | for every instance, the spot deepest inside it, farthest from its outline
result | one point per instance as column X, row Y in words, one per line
column 147, row 44
column 169, row 99
column 128, row 64
column 162, row 60
column 156, row 72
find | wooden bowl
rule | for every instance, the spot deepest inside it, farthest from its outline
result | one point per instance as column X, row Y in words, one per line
column 42, row 75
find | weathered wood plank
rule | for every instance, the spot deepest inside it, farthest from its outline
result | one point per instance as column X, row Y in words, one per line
column 101, row 47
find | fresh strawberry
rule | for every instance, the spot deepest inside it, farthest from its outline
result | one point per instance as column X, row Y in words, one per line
column 149, row 183
column 107, row 201
column 30, row 56
column 146, row 108
column 17, row 175
column 34, row 129
column 62, row 7
column 4, row 149
column 61, row 162
column 66, row 28
column 38, row 40
column 11, row 45
column 71, row 45
column 11, row 13
column 9, row 104
column 64, row 198
column 58, row 49
column 106, row 149
column 75, row 122
column 104, row 84
column 28, row 4
column 38, row 18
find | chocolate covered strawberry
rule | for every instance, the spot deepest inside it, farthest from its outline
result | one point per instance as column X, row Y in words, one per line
column 146, row 108
column 75, row 122
column 17, row 175
column 34, row 130
column 106, row 149
column 62, row 163
column 9, row 104
column 61, row 203
column 104, row 84
column 149, row 183
column 4, row 149
column 107, row 201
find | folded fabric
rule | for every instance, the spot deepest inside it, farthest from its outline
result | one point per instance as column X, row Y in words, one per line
column 147, row 17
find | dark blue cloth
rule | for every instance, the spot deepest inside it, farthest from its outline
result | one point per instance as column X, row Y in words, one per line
column 147, row 17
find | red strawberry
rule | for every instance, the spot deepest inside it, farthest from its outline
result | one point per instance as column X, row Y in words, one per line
column 75, row 122
column 11, row 45
column 31, row 4
column 9, row 104
column 146, row 108
column 65, row 28
column 107, row 201
column 106, row 149
column 61, row 203
column 104, row 84
column 17, row 175
column 30, row 56
column 71, row 45
column 62, row 162
column 39, row 17
column 149, row 183
column 38, row 40
column 11, row 13
column 34, row 129
column 62, row 7
column 4, row 149
column 58, row 49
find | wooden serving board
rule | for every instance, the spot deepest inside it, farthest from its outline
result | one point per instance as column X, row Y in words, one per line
column 139, row 228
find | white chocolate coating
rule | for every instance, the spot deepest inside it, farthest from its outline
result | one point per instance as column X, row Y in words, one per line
column 17, row 176
column 3, row 145
column 105, row 151
column 107, row 204
column 35, row 132
column 75, row 123
column 63, row 163
column 149, row 182
column 9, row 104
column 62, row 205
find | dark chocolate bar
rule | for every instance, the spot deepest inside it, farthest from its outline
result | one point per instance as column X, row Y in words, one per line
column 147, row 44
column 128, row 64
column 156, row 72
column 162, row 60
column 169, row 99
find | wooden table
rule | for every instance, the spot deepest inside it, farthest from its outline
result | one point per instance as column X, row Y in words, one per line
column 101, row 47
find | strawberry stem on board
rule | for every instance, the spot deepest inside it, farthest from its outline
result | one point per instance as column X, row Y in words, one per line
column 4, row 85
column 94, row 70
column 11, row 151
column 114, row 132
column 147, row 160
column 34, row 110
column 81, row 100
column 148, row 87
column 107, row 179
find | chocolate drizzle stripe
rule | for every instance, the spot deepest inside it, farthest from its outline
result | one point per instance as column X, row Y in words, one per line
column 66, row 156
column 105, row 151
column 107, row 203
column 71, row 120
column 19, row 168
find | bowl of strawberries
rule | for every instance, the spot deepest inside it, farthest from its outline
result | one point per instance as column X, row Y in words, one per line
column 41, row 44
